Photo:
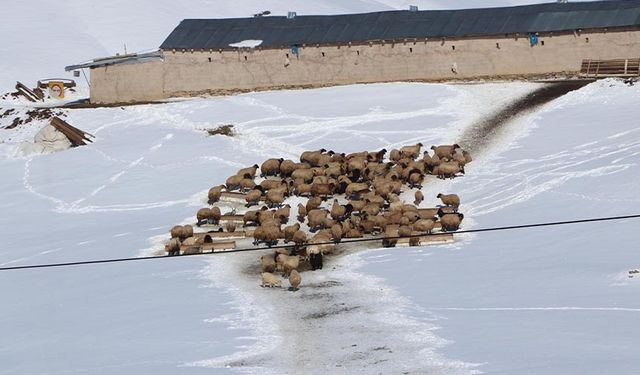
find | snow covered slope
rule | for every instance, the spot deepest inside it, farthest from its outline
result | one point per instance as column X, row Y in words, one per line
column 544, row 301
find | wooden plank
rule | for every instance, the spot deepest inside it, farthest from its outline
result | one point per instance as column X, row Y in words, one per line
column 74, row 137
column 26, row 92
column 433, row 239
column 86, row 136
column 218, row 235
column 208, row 247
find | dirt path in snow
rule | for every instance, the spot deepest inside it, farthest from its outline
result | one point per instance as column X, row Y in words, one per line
column 344, row 322
column 480, row 135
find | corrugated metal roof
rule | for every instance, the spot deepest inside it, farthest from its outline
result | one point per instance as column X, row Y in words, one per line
column 279, row 31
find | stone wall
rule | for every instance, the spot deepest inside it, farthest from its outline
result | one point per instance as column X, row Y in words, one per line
column 186, row 73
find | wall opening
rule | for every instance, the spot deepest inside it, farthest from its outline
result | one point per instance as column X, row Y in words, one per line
column 453, row 48
column 287, row 55
column 245, row 58
column 358, row 52
column 322, row 54
column 209, row 59
column 586, row 40
column 410, row 50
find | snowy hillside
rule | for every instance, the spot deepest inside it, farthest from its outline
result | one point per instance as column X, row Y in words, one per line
column 544, row 301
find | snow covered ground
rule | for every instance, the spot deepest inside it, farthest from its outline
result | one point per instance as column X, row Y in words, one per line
column 549, row 300
column 545, row 301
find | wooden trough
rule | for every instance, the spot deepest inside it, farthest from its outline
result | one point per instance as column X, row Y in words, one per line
column 210, row 247
column 214, row 236
column 233, row 196
column 431, row 239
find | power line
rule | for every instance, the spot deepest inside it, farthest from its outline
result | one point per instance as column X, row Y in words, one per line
column 481, row 230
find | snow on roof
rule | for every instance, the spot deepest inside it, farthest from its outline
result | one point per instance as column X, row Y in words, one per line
column 251, row 43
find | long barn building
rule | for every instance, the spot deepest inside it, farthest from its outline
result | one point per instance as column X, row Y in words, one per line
column 217, row 56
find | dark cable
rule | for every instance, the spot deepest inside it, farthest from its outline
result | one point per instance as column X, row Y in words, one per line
column 494, row 229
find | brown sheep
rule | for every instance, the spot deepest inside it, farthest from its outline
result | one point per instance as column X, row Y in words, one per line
column 419, row 197
column 269, row 280
column 173, row 247
column 267, row 234
column 338, row 211
column 411, row 151
column 404, row 231
column 214, row 194
column 371, row 209
column 187, row 231
column 215, row 215
column 312, row 157
column 313, row 203
column 290, row 231
column 427, row 213
column 412, row 216
column 395, row 155
column 282, row 214
column 452, row 200
column 357, row 205
column 250, row 217
column 323, row 189
column 268, row 263
column 177, row 232
column 287, row 167
column 304, row 174
column 354, row 233
column 450, row 222
column 336, row 233
column 250, row 171
column 265, row 216
column 302, row 212
column 271, row 184
column 445, row 151
column 247, row 184
column 271, row 167
column 377, row 156
column 294, row 280
column 303, row 190
column 316, row 218
column 356, row 188
column 288, row 263
column 233, row 182
column 425, row 225
column 253, row 197
column 334, row 171
column 448, row 170
column 415, row 180
column 274, row 198
column 203, row 215
column 231, row 226
column 390, row 235
column 299, row 238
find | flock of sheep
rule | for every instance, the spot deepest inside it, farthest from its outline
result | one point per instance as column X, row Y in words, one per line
column 341, row 196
